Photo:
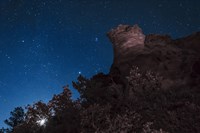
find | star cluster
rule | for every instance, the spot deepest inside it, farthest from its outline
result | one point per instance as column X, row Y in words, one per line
column 45, row 44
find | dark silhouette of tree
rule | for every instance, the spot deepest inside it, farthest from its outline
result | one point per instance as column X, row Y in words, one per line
column 116, row 113
column 99, row 89
column 3, row 130
column 36, row 113
column 17, row 117
column 65, row 118
column 108, row 103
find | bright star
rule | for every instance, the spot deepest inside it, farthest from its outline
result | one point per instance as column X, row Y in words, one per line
column 96, row 39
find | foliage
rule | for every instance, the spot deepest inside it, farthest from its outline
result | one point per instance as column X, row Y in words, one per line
column 93, row 90
column 65, row 116
column 103, row 119
column 113, row 103
column 17, row 117
column 174, row 110
column 3, row 130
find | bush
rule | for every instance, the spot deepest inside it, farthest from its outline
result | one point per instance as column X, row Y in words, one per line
column 109, row 103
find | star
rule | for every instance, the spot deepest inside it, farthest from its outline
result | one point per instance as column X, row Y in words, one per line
column 50, row 43
column 96, row 39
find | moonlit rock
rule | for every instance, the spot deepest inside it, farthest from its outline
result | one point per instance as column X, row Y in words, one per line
column 177, row 61
column 126, row 39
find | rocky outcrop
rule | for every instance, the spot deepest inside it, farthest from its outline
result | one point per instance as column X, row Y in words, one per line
column 156, row 39
column 177, row 61
column 126, row 39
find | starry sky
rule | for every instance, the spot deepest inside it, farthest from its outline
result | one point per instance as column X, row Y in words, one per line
column 46, row 44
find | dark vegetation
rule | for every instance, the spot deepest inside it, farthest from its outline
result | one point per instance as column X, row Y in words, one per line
column 107, row 104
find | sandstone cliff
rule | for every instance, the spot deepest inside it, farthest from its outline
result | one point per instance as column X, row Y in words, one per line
column 177, row 61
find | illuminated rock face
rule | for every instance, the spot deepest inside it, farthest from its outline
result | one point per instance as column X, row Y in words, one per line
column 126, row 39
column 177, row 61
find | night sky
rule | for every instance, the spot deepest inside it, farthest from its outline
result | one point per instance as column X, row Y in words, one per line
column 46, row 44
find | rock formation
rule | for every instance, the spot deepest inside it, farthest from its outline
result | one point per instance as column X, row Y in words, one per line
column 177, row 61
column 126, row 39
